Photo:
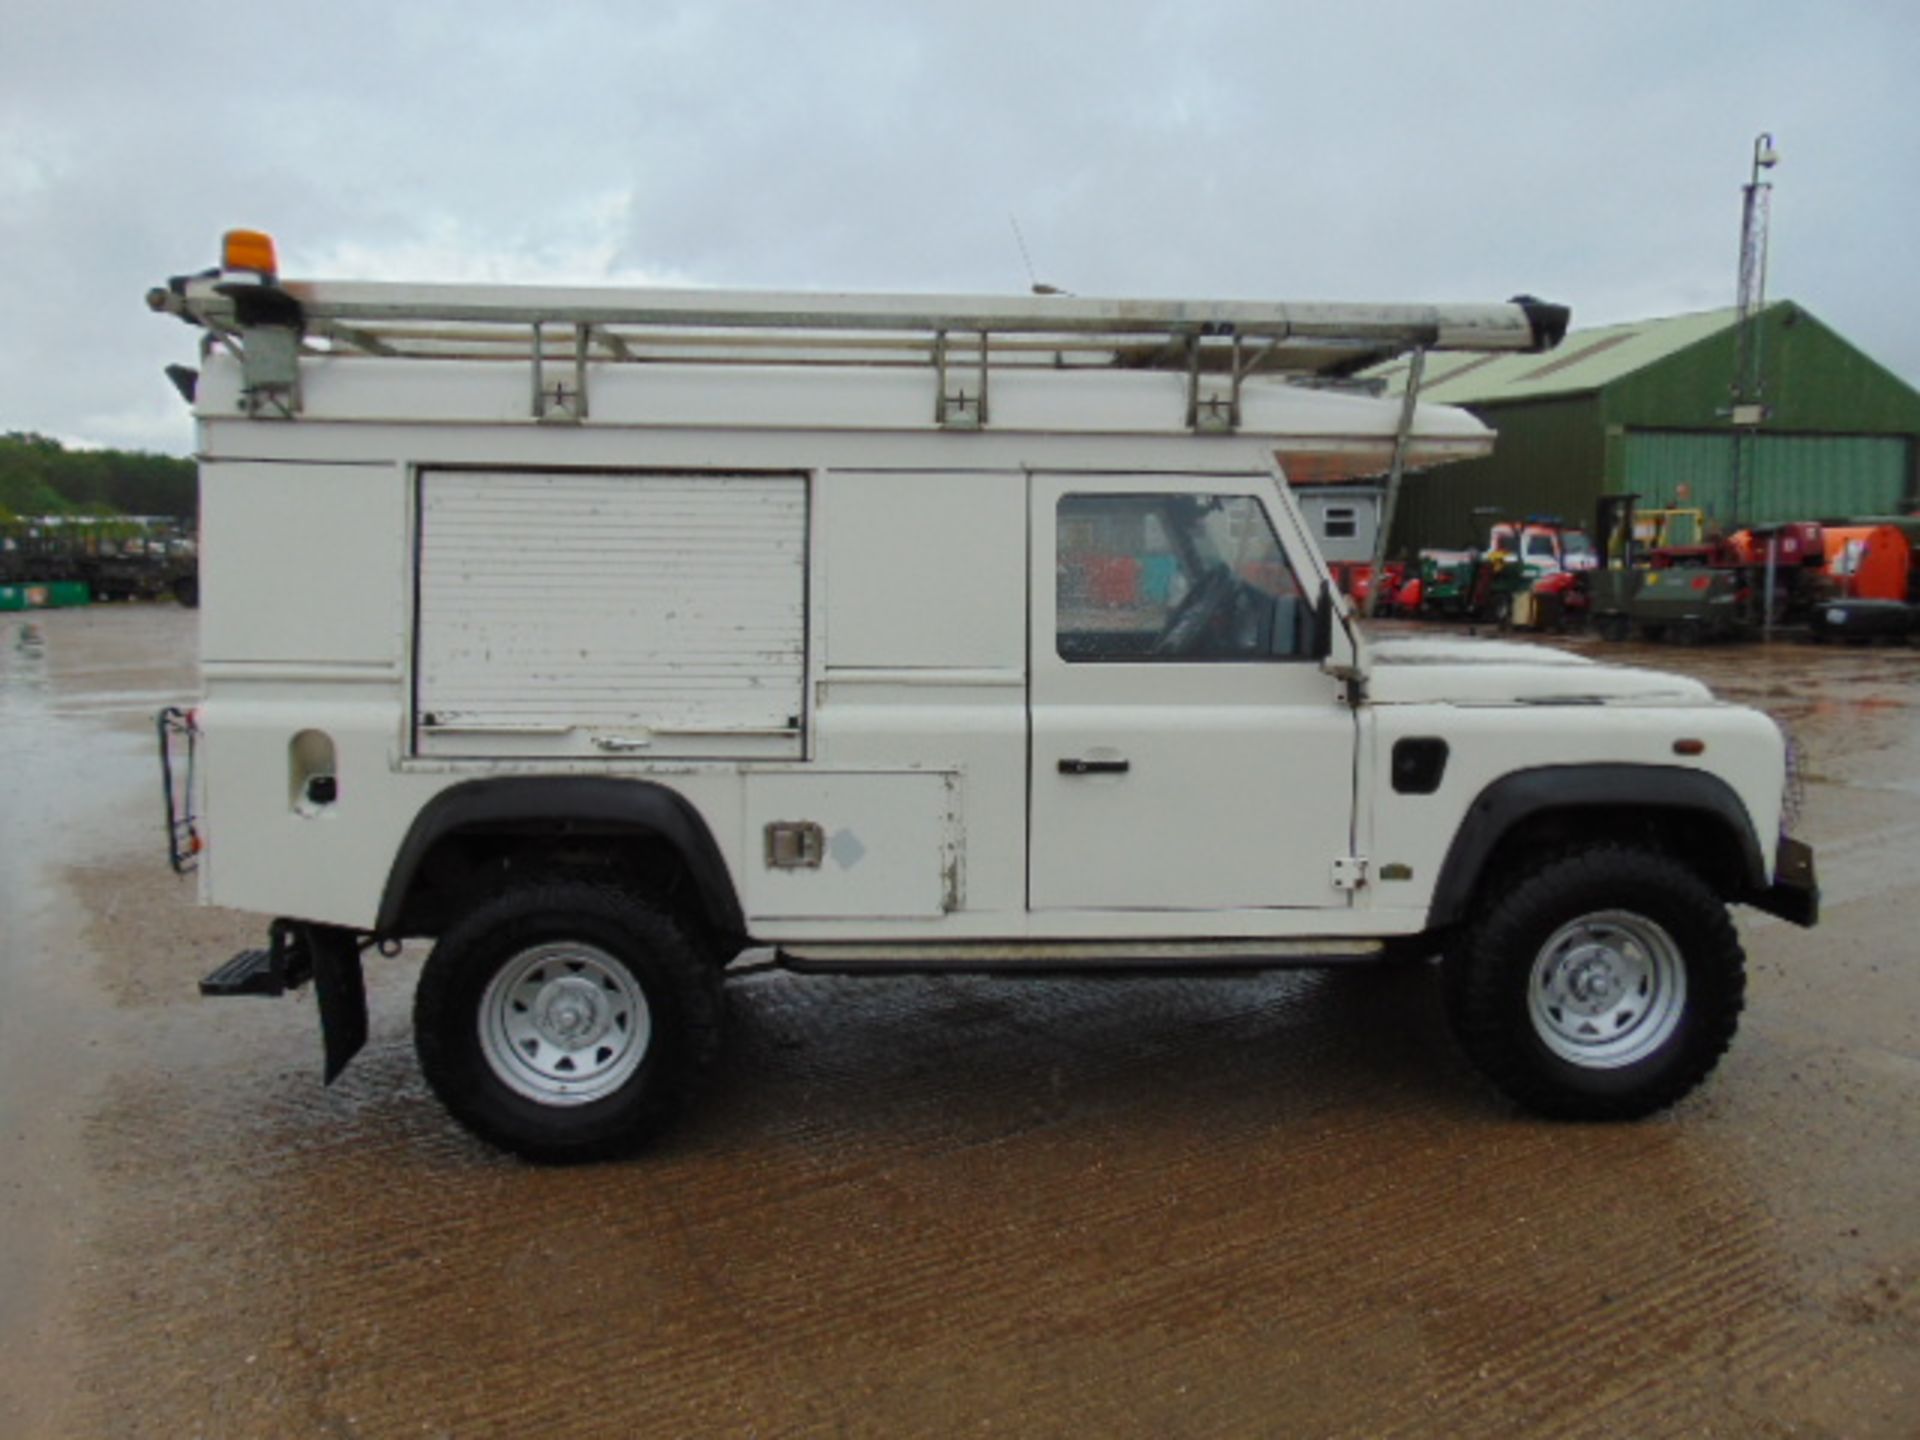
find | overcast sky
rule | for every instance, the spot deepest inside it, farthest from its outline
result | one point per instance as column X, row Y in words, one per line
column 1591, row 154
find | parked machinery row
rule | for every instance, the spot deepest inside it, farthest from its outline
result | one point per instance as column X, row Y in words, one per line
column 1529, row 575
column 115, row 558
column 1660, row 575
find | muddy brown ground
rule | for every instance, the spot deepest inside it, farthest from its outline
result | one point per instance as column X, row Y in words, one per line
column 1274, row 1205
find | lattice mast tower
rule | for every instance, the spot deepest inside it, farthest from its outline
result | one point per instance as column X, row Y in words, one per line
column 1749, row 408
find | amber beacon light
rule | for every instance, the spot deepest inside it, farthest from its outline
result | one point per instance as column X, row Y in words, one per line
column 248, row 250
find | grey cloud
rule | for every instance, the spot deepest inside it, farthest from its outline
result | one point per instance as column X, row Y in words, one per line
column 1262, row 150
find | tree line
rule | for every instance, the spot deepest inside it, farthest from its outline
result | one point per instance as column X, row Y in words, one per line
column 39, row 476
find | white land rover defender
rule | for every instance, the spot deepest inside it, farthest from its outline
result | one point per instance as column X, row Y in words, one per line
column 599, row 635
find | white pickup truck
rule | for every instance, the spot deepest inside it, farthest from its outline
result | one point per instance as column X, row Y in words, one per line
column 599, row 635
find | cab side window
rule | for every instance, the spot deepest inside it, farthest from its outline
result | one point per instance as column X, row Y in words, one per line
column 1151, row 577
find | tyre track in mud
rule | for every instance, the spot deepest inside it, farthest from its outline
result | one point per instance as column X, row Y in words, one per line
column 1126, row 1249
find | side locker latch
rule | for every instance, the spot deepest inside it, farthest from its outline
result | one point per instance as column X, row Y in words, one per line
column 795, row 845
column 1349, row 872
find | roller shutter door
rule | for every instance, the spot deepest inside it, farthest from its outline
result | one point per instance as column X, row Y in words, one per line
column 611, row 615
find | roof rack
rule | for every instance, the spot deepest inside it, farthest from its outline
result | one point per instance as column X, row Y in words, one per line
column 560, row 332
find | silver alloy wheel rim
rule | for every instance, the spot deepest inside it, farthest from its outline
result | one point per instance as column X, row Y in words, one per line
column 564, row 1024
column 1607, row 990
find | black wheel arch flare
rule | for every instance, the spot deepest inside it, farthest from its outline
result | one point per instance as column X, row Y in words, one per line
column 1647, row 791
column 635, row 806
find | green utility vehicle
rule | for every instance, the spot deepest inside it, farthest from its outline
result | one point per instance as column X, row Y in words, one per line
column 1684, row 596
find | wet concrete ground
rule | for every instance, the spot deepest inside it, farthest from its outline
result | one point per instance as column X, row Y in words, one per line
column 1275, row 1205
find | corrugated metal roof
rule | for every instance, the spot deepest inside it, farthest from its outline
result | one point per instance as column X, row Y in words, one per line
column 1585, row 360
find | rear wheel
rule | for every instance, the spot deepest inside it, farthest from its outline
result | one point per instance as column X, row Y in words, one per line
column 1605, row 985
column 566, row 1020
column 1615, row 628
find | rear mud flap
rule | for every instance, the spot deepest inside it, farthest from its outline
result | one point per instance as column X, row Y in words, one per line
column 340, row 987
column 1795, row 892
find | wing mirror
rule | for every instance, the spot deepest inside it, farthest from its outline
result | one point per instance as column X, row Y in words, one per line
column 1300, row 630
column 1322, row 637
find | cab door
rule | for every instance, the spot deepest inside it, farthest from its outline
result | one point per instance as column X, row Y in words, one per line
column 1188, row 750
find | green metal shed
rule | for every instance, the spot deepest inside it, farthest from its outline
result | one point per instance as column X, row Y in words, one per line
column 1646, row 407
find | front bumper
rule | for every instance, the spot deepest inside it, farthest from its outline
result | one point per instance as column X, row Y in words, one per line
column 1795, row 892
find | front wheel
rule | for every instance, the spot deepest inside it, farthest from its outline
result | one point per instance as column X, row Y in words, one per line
column 1604, row 986
column 566, row 1020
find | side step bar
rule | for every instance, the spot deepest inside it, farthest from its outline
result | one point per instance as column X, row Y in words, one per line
column 1166, row 957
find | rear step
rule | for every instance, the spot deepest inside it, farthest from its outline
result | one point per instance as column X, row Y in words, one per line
column 285, row 965
column 296, row 953
column 251, row 972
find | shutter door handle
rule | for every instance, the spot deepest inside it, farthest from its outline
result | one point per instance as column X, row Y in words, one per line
column 1076, row 766
column 622, row 744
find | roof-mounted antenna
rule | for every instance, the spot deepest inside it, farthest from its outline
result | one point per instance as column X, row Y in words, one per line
column 1027, row 260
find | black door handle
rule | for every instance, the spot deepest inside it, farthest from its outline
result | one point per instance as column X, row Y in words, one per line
column 1094, row 767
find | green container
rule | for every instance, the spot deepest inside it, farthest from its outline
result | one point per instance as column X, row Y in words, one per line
column 52, row 595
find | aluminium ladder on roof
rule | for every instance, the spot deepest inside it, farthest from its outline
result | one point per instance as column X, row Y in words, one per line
column 558, row 332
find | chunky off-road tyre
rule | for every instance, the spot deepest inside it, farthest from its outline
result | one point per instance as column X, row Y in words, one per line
column 1604, row 985
column 566, row 1021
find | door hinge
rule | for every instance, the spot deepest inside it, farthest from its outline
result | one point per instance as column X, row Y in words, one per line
column 1349, row 872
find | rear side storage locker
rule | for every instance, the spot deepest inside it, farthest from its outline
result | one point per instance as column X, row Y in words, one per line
column 611, row 614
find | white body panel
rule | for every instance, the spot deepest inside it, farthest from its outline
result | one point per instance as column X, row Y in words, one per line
column 304, row 564
column 923, row 571
column 907, row 585
column 892, row 845
column 730, row 402
column 1488, row 740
